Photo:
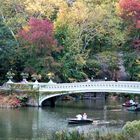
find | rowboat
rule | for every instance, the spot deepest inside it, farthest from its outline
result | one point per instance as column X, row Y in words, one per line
column 77, row 121
column 129, row 105
column 133, row 109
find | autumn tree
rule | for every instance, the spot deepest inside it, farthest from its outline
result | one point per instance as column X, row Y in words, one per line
column 130, row 12
column 41, row 47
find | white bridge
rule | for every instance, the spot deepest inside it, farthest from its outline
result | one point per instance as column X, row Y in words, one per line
column 57, row 89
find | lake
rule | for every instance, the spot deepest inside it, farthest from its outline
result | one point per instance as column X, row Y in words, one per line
column 33, row 122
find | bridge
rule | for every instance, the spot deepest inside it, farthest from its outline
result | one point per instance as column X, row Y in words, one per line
column 51, row 90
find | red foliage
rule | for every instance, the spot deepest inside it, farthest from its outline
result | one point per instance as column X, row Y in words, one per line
column 9, row 101
column 39, row 32
column 130, row 9
column 138, row 24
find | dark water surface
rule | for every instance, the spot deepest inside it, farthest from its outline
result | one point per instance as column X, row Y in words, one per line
column 37, row 122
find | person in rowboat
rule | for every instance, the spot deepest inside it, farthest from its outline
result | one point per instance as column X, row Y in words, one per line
column 79, row 117
column 84, row 116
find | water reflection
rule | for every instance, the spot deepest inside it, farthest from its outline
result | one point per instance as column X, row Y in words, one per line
column 37, row 122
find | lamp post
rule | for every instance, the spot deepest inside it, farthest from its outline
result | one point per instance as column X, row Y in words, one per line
column 50, row 75
column 10, row 76
column 24, row 76
column 36, row 77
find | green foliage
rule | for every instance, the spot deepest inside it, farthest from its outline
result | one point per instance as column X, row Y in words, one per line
column 92, row 68
column 23, row 99
column 104, row 30
column 109, row 62
column 131, row 130
column 131, row 62
column 7, row 51
column 61, row 34
column 13, row 15
column 74, row 135
column 72, row 58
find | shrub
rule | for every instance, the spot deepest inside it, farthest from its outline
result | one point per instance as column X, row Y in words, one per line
column 131, row 129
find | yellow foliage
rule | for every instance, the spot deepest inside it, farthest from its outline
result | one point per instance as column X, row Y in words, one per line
column 44, row 7
column 118, row 8
column 138, row 61
column 75, row 14
column 26, row 28
column 80, row 60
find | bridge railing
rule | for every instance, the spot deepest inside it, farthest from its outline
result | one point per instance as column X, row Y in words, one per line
column 112, row 85
column 22, row 86
column 97, row 86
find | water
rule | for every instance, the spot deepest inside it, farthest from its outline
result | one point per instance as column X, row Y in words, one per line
column 37, row 122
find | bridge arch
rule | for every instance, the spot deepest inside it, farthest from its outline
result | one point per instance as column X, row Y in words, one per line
column 84, row 87
column 55, row 96
column 57, row 89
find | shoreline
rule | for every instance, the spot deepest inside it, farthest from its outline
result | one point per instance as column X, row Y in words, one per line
column 12, row 100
